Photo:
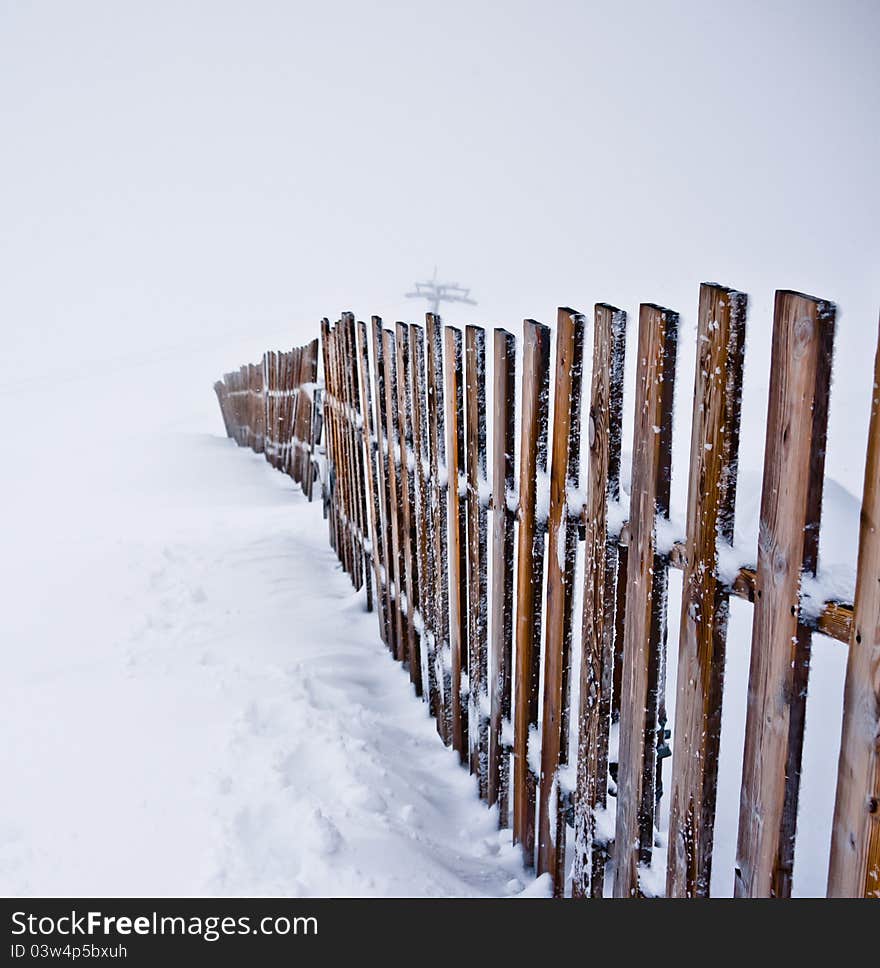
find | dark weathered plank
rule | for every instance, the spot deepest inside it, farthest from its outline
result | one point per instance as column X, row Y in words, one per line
column 424, row 520
column 458, row 603
column 854, row 869
column 704, row 605
column 407, row 499
column 646, row 596
column 800, row 370
column 396, row 552
column 355, row 425
column 563, row 534
column 504, row 513
column 384, row 475
column 600, row 577
column 338, row 534
column 477, row 498
column 220, row 390
column 530, row 578
column 371, row 470
column 439, row 485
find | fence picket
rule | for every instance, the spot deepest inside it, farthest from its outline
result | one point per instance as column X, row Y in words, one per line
column 383, row 467
column 456, row 495
column 600, row 580
column 503, row 484
column 424, row 520
column 374, row 504
column 704, row 604
column 791, row 499
column 439, row 487
column 854, row 869
column 477, row 485
column 644, row 636
column 407, row 516
column 562, row 547
column 530, row 576
column 389, row 359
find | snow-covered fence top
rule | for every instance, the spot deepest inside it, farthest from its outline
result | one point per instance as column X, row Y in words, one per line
column 419, row 467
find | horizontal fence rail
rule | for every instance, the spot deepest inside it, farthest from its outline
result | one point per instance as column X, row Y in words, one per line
column 476, row 502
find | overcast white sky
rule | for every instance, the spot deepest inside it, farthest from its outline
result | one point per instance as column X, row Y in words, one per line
column 194, row 181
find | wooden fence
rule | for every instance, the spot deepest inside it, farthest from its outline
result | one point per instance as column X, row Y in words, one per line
column 274, row 407
column 484, row 617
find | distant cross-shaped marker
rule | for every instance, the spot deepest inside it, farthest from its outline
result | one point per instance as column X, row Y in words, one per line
column 437, row 292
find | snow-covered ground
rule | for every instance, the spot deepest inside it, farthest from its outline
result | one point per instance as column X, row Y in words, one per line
column 194, row 701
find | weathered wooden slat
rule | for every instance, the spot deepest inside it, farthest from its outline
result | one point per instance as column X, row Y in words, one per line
column 646, row 596
column 563, row 535
column 350, row 417
column 372, row 475
column 800, row 370
column 600, row 578
column 504, row 514
column 273, row 407
column 338, row 535
column 399, row 577
column 355, row 421
column 312, row 377
column 477, row 487
column 382, row 467
column 344, row 471
column 458, row 598
column 704, row 605
column 530, row 577
column 424, row 520
column 407, row 513
column 220, row 390
column 301, row 463
column 439, row 486
column 854, row 869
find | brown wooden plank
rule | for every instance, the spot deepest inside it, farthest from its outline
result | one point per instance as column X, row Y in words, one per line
column 407, row 499
column 273, row 408
column 530, row 577
column 344, row 470
column 396, row 550
column 345, row 547
column 384, row 475
column 374, row 503
column 600, row 578
column 854, row 869
column 476, row 501
column 424, row 519
column 704, row 605
column 504, row 515
column 456, row 496
column 352, row 481
column 800, row 370
column 562, row 547
column 439, row 486
column 336, row 530
column 220, row 390
column 646, row 595
column 311, row 358
column 356, row 429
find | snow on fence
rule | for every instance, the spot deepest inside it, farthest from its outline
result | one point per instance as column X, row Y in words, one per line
column 483, row 617
column 272, row 408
